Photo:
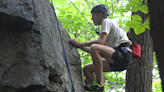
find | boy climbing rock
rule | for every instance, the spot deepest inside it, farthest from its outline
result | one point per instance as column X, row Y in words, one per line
column 112, row 45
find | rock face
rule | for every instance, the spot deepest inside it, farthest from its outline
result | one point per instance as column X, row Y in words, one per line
column 31, row 53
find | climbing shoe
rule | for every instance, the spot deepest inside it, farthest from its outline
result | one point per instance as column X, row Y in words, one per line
column 95, row 86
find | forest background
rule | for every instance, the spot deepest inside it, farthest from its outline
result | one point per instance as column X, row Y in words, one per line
column 120, row 11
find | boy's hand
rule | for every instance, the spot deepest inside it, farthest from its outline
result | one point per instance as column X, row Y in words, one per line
column 75, row 42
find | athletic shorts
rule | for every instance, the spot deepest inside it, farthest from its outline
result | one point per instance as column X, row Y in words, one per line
column 122, row 58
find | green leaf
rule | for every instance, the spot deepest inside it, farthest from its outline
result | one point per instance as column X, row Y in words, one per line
column 136, row 17
column 139, row 29
column 147, row 20
column 128, row 6
column 146, row 2
column 147, row 23
column 144, row 8
column 142, row 1
column 132, row 7
column 135, row 2
column 133, row 24
column 135, row 7
column 147, row 26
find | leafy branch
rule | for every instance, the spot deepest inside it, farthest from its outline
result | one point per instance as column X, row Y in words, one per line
column 137, row 23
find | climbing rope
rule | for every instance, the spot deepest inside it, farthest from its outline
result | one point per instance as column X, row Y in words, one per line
column 86, row 19
column 64, row 54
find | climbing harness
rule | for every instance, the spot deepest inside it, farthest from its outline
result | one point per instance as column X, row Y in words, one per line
column 64, row 54
column 86, row 19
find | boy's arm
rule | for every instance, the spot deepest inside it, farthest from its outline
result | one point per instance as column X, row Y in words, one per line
column 100, row 40
column 85, row 49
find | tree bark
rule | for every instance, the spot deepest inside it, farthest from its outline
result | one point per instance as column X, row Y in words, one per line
column 156, row 11
column 139, row 74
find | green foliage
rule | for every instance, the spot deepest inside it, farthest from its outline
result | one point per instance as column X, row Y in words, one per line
column 115, row 81
column 157, row 87
column 137, row 23
column 135, row 5
column 144, row 8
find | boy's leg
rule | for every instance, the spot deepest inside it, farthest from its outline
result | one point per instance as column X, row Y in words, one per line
column 97, row 51
column 89, row 71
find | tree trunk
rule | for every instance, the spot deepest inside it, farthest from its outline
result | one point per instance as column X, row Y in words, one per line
column 156, row 11
column 139, row 74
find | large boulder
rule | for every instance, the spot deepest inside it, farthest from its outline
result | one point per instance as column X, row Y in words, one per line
column 31, row 53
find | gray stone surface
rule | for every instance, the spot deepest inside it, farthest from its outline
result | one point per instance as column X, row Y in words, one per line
column 31, row 53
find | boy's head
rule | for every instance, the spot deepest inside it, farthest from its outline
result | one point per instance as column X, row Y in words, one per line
column 99, row 12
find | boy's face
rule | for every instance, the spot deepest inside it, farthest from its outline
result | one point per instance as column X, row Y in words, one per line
column 94, row 18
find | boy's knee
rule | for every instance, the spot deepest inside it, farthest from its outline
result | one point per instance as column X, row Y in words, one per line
column 85, row 69
column 94, row 47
